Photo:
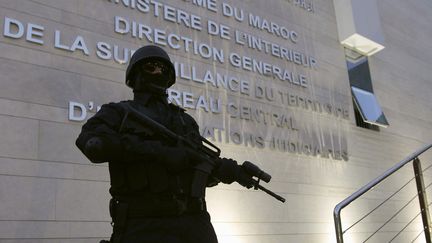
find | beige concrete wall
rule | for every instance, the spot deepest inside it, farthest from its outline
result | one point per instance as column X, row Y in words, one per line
column 50, row 193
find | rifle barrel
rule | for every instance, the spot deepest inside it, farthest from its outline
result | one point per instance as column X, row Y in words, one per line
column 271, row 193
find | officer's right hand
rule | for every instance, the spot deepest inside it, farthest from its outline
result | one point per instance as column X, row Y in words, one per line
column 175, row 158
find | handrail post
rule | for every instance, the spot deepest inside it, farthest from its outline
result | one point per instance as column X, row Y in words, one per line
column 338, row 224
column 422, row 199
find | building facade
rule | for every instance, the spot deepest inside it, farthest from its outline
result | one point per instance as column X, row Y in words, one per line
column 268, row 82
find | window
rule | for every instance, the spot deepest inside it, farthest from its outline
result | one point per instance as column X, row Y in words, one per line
column 368, row 107
column 368, row 112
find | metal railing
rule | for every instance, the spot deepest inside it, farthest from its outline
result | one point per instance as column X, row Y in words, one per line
column 421, row 189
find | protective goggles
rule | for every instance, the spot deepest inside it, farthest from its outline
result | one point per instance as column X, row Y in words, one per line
column 154, row 67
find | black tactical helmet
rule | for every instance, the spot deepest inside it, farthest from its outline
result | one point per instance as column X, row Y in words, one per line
column 146, row 53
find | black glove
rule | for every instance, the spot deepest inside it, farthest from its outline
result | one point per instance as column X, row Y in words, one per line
column 227, row 171
column 103, row 149
column 174, row 157
column 180, row 156
column 245, row 179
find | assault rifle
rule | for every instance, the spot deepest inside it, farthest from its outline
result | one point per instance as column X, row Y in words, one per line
column 204, row 149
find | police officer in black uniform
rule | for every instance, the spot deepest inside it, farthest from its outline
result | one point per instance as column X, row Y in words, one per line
column 151, row 179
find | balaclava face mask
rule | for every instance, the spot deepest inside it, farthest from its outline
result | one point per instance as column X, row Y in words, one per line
column 152, row 76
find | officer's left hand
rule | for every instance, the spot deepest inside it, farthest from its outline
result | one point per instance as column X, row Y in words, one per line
column 227, row 171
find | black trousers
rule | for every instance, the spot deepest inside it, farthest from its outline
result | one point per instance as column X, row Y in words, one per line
column 189, row 228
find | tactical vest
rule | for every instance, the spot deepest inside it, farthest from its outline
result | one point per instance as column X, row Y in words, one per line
column 149, row 178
